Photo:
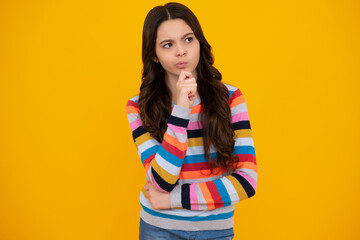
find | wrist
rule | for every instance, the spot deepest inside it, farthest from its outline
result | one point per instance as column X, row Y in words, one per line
column 181, row 112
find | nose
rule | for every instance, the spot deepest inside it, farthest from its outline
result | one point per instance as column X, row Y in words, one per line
column 180, row 51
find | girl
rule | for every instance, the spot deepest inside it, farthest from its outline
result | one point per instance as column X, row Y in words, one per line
column 191, row 131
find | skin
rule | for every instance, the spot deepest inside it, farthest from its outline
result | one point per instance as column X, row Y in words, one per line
column 175, row 42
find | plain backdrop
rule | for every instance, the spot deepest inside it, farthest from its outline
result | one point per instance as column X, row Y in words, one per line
column 68, row 165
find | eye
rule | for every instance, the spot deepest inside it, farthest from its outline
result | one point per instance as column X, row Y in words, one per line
column 189, row 38
column 167, row 45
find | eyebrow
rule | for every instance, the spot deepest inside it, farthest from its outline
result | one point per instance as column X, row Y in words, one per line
column 169, row 40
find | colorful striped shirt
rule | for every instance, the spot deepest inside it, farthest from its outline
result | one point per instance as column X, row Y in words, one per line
column 200, row 200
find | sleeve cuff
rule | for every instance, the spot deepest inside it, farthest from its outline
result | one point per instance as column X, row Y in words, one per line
column 175, row 197
column 181, row 112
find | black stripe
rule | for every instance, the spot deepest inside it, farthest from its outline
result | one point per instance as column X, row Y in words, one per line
column 178, row 121
column 162, row 183
column 195, row 133
column 138, row 132
column 241, row 125
column 185, row 196
column 245, row 184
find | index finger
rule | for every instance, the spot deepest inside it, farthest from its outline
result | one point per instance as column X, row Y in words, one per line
column 184, row 75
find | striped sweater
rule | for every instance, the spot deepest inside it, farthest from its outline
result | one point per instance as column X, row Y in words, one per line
column 200, row 200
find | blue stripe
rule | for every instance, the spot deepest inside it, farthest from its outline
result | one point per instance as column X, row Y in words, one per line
column 174, row 160
column 198, row 158
column 223, row 192
column 148, row 152
column 220, row 216
column 244, row 150
column 230, row 92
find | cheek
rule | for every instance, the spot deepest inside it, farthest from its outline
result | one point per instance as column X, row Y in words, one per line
column 197, row 52
column 197, row 49
column 163, row 56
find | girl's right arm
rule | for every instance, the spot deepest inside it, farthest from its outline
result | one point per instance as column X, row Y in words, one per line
column 162, row 161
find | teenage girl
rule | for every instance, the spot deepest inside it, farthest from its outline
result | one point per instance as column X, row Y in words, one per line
column 192, row 133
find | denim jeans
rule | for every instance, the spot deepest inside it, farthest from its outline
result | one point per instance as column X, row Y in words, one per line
column 150, row 232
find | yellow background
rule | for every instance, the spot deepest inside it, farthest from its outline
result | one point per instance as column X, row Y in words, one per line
column 69, row 167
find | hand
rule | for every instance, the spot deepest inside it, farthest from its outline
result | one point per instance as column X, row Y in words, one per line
column 186, row 89
column 158, row 199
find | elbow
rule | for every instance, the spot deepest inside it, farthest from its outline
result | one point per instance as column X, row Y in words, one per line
column 161, row 184
column 163, row 187
column 251, row 189
column 251, row 192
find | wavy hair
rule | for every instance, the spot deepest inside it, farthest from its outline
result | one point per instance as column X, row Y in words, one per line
column 155, row 96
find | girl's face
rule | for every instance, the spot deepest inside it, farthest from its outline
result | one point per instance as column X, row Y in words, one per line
column 176, row 48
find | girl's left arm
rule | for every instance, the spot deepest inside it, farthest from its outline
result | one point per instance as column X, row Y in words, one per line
column 237, row 186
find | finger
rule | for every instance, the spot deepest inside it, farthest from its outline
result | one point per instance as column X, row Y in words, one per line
column 188, row 90
column 187, row 85
column 188, row 81
column 146, row 194
column 185, row 75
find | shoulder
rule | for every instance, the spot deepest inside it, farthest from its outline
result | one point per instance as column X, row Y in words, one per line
column 234, row 92
column 133, row 100
column 132, row 105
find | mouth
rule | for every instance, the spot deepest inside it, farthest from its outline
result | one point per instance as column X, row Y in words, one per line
column 181, row 64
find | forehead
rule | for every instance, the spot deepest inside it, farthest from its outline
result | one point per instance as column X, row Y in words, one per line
column 172, row 29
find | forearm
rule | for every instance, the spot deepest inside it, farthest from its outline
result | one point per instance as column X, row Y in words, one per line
column 163, row 161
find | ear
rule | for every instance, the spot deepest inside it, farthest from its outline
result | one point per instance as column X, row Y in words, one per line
column 155, row 59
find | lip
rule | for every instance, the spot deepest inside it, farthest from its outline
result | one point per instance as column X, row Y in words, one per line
column 181, row 64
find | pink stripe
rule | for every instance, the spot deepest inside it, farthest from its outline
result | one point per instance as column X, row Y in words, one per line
column 194, row 125
column 154, row 183
column 135, row 124
column 177, row 129
column 240, row 117
column 249, row 179
column 193, row 197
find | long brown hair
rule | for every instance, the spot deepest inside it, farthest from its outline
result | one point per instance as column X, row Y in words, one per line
column 155, row 98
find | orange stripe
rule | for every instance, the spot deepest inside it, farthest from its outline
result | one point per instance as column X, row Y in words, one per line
column 207, row 196
column 248, row 165
column 147, row 166
column 175, row 142
column 132, row 109
column 198, row 174
column 238, row 100
column 195, row 109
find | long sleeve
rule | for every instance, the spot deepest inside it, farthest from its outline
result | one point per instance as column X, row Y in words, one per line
column 238, row 185
column 162, row 162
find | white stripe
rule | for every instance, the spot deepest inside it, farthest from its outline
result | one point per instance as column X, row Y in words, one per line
column 185, row 212
column 244, row 142
column 132, row 117
column 167, row 166
column 199, row 150
column 148, row 144
column 231, row 190
column 180, row 137
column 249, row 172
column 230, row 87
column 135, row 98
column 238, row 109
